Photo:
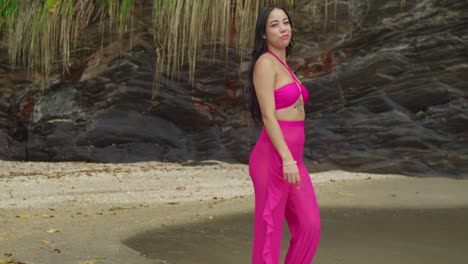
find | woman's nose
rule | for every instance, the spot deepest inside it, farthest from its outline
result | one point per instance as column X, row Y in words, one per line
column 282, row 27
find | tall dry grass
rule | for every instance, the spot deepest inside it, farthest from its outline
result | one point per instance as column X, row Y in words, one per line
column 39, row 34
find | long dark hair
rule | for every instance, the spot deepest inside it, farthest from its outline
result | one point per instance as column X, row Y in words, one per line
column 260, row 48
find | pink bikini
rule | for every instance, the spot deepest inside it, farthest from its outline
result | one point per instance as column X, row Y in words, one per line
column 277, row 199
column 288, row 94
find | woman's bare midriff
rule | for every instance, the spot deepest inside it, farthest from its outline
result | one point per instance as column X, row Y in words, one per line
column 289, row 114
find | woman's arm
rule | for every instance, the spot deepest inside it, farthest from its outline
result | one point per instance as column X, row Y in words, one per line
column 264, row 82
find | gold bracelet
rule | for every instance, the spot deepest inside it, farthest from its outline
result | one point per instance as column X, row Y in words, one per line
column 289, row 163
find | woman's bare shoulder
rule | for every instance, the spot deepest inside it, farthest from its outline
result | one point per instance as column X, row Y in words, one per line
column 264, row 63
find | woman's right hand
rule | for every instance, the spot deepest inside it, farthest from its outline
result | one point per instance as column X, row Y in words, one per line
column 291, row 173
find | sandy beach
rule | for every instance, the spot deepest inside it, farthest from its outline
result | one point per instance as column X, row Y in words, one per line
column 153, row 212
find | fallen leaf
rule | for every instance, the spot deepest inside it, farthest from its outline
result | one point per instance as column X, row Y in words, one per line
column 47, row 216
column 181, row 188
column 22, row 216
column 6, row 260
column 86, row 262
column 56, row 250
column 10, row 260
column 46, row 242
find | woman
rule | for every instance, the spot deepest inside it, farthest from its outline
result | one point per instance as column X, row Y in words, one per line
column 281, row 182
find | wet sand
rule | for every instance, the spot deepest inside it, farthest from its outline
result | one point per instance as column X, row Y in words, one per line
column 166, row 213
column 349, row 235
column 402, row 220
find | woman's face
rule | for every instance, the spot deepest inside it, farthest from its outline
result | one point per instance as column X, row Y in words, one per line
column 278, row 30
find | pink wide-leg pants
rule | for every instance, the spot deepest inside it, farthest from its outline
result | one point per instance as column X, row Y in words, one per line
column 275, row 199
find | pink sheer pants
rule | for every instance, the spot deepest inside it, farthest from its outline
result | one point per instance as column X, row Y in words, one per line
column 277, row 199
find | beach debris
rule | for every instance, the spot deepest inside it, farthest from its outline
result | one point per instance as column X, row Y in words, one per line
column 181, row 188
column 51, row 244
column 210, row 217
column 47, row 216
column 86, row 262
column 22, row 216
column 99, row 258
column 2, row 238
column 51, row 230
column 46, row 242
column 116, row 208
column 10, row 260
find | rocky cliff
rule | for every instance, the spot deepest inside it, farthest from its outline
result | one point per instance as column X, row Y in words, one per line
column 388, row 86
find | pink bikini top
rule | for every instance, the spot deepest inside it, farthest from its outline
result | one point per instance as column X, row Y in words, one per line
column 288, row 94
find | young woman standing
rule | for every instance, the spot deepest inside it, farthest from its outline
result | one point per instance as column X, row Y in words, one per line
column 283, row 188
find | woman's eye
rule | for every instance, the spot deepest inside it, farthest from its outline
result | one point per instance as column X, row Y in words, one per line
column 274, row 25
column 286, row 23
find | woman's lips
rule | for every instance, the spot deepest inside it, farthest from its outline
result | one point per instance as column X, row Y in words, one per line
column 285, row 37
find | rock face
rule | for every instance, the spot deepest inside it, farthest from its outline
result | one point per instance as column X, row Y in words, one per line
column 399, row 102
column 113, row 118
column 388, row 88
